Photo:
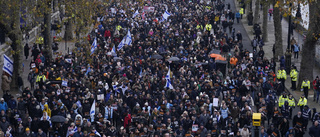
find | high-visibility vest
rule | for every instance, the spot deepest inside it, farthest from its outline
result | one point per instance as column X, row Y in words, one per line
column 302, row 102
column 283, row 74
column 294, row 75
column 282, row 100
column 118, row 27
column 305, row 84
column 241, row 11
column 291, row 102
column 208, row 27
column 199, row 26
column 279, row 75
column 39, row 77
column 40, row 40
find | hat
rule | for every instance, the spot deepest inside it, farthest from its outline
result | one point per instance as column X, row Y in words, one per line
column 27, row 129
column 1, row 99
column 245, row 126
column 146, row 104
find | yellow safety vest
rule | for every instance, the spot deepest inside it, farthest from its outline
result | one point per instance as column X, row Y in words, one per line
column 291, row 102
column 279, row 75
column 294, row 75
column 199, row 27
column 241, row 11
column 208, row 7
column 119, row 27
column 39, row 78
column 208, row 27
column 305, row 84
column 283, row 74
column 302, row 102
column 282, row 100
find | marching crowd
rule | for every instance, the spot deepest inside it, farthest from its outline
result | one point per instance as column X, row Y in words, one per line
column 163, row 83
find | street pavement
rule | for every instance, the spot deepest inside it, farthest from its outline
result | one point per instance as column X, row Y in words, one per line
column 268, row 53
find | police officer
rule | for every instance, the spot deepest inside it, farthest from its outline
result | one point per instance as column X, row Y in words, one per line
column 292, row 105
column 294, row 77
column 282, row 76
column 305, row 86
column 283, row 98
column 302, row 102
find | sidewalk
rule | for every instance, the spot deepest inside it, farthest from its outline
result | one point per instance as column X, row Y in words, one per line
column 269, row 45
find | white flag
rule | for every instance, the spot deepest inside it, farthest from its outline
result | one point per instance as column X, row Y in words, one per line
column 128, row 38
column 94, row 45
column 168, row 81
column 165, row 16
column 135, row 14
column 7, row 65
column 93, row 110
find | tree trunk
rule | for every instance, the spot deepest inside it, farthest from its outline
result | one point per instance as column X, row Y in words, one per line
column 256, row 12
column 308, row 50
column 16, row 36
column 265, row 21
column 69, row 31
column 277, row 32
column 47, row 36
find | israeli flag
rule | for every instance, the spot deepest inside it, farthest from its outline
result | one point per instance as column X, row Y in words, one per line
column 168, row 81
column 113, row 49
column 68, row 60
column 93, row 110
column 88, row 70
column 64, row 83
column 165, row 16
column 94, row 46
column 135, row 14
column 128, row 38
column 79, row 104
column 97, row 133
column 121, row 44
column 7, row 65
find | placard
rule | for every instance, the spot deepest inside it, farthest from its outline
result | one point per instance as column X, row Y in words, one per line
column 100, row 97
column 148, row 9
column 195, row 128
column 215, row 102
column 251, row 55
column 33, row 65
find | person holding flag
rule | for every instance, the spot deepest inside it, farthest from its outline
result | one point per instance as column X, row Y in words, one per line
column 93, row 46
column 93, row 111
column 168, row 81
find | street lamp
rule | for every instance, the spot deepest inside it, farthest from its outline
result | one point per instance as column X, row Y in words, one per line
column 288, row 52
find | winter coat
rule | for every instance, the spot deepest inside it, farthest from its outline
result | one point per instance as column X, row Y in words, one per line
column 3, row 106
column 5, row 85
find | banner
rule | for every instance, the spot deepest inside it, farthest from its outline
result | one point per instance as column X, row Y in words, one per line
column 7, row 65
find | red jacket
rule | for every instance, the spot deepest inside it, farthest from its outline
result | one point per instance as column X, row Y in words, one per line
column 107, row 33
column 127, row 120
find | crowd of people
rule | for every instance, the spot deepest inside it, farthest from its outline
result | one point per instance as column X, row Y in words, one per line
column 139, row 90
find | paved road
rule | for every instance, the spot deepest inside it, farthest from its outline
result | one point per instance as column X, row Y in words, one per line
column 239, row 27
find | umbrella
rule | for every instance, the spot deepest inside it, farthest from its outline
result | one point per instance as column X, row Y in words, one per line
column 174, row 59
column 221, row 58
column 156, row 56
column 117, row 58
column 58, row 119
column 213, row 55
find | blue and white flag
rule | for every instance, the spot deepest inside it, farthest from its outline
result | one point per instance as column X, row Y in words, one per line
column 202, row 77
column 121, row 44
column 168, row 81
column 93, row 110
column 128, row 38
column 64, row 83
column 113, row 49
column 97, row 133
column 68, row 60
column 94, row 46
column 7, row 65
column 135, row 14
column 165, row 16
column 79, row 104
column 88, row 70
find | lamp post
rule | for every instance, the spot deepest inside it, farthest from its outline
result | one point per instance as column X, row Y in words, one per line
column 288, row 51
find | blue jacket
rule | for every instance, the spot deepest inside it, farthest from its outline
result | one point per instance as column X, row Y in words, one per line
column 3, row 106
column 238, row 15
